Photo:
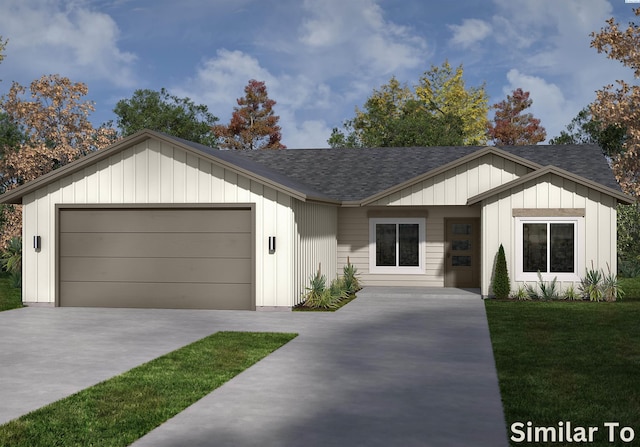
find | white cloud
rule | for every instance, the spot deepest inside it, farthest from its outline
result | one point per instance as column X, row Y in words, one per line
column 470, row 32
column 354, row 35
column 54, row 36
column 220, row 80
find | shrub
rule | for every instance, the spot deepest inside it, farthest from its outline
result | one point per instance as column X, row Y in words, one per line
column 548, row 291
column 611, row 290
column 571, row 294
column 521, row 294
column 590, row 285
column 501, row 285
column 12, row 261
column 350, row 278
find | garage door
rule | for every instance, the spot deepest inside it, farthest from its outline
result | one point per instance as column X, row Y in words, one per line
column 157, row 258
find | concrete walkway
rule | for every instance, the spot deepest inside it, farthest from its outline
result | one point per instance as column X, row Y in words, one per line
column 405, row 367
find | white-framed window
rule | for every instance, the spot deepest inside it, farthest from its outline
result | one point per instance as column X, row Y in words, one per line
column 551, row 245
column 396, row 245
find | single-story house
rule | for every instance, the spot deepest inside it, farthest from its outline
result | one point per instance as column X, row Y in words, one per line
column 157, row 221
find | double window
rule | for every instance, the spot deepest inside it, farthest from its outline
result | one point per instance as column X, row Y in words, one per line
column 549, row 246
column 396, row 245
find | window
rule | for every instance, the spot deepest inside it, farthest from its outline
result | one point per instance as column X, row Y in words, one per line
column 549, row 245
column 396, row 245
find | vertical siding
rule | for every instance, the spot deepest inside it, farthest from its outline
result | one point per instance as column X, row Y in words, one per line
column 156, row 172
column 457, row 185
column 550, row 191
column 314, row 230
column 353, row 241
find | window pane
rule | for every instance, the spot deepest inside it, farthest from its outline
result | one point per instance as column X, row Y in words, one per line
column 409, row 246
column 461, row 245
column 461, row 228
column 534, row 247
column 562, row 240
column 386, row 245
column 461, row 261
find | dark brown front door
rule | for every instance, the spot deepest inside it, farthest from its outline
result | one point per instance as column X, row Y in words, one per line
column 462, row 254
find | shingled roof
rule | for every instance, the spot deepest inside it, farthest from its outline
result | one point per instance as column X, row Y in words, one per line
column 354, row 175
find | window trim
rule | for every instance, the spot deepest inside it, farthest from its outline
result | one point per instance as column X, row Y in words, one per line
column 397, row 270
column 578, row 249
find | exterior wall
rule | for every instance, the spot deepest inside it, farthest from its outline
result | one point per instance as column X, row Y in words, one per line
column 457, row 185
column 550, row 191
column 155, row 172
column 314, row 244
column 353, row 241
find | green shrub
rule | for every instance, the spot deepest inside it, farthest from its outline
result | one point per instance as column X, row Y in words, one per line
column 629, row 268
column 571, row 294
column 590, row 285
column 611, row 290
column 501, row 285
column 548, row 291
column 521, row 294
column 350, row 278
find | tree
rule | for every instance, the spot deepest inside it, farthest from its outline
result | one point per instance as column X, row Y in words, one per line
column 512, row 127
column 584, row 129
column 253, row 124
column 501, row 286
column 619, row 107
column 444, row 90
column 162, row 112
column 54, row 129
column 393, row 116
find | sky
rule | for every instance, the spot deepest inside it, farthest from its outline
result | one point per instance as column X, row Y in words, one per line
column 319, row 58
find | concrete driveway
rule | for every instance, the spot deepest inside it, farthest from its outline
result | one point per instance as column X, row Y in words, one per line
column 406, row 367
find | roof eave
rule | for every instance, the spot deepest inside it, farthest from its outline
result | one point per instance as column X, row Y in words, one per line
column 618, row 195
column 451, row 165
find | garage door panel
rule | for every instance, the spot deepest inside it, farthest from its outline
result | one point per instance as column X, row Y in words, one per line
column 147, row 245
column 161, row 270
column 152, row 220
column 160, row 296
column 193, row 258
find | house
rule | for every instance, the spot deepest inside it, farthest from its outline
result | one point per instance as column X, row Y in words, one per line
column 157, row 221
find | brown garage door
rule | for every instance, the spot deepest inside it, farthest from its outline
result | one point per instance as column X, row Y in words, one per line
column 162, row 258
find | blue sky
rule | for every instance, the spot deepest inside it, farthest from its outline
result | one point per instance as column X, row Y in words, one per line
column 320, row 59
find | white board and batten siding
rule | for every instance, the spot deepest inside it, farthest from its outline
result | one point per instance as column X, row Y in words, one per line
column 457, row 185
column 314, row 245
column 155, row 172
column 549, row 192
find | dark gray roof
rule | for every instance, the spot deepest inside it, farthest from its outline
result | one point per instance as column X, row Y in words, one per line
column 356, row 174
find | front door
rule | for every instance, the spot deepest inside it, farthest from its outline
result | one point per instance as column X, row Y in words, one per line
column 462, row 253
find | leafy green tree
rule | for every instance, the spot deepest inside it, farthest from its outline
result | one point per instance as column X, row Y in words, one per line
column 585, row 129
column 163, row 112
column 253, row 124
column 444, row 90
column 393, row 116
column 629, row 233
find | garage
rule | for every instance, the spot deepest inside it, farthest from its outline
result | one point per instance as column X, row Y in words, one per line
column 148, row 257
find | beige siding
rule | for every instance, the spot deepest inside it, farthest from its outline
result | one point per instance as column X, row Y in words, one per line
column 550, row 191
column 353, row 241
column 314, row 244
column 457, row 185
column 156, row 172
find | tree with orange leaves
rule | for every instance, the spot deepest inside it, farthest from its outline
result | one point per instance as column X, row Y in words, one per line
column 55, row 130
column 619, row 107
column 253, row 124
column 511, row 127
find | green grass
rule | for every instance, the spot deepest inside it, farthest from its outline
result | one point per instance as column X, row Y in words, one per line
column 631, row 288
column 10, row 298
column 568, row 361
column 120, row 410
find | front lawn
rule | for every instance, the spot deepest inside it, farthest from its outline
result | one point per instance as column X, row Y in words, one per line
column 568, row 361
column 10, row 298
column 120, row 410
